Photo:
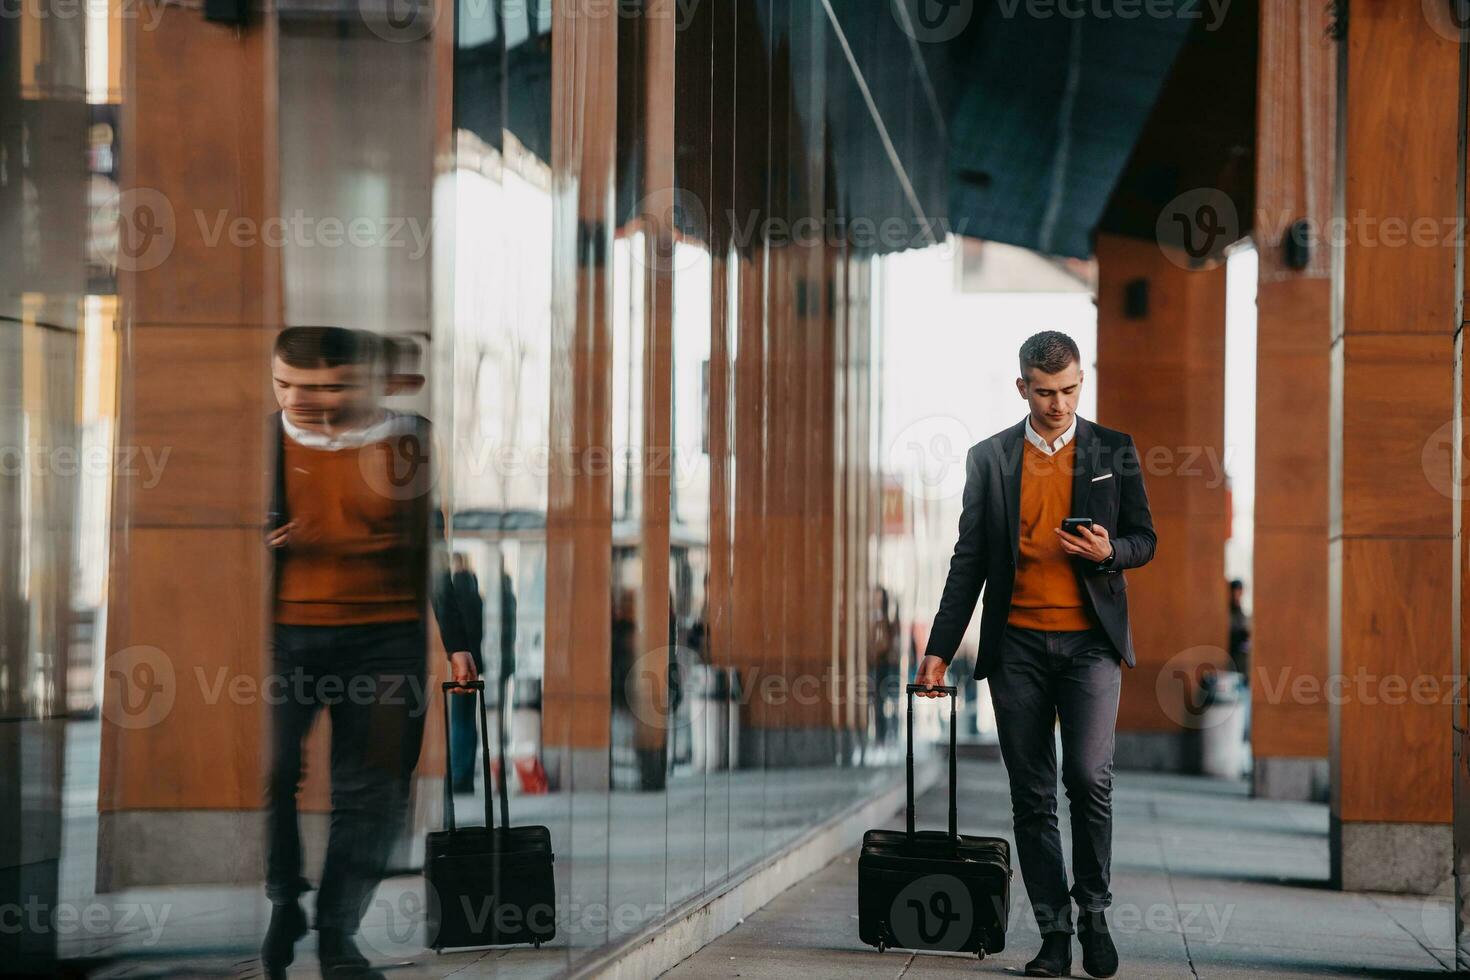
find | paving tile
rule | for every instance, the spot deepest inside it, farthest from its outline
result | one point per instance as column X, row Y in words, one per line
column 1207, row 882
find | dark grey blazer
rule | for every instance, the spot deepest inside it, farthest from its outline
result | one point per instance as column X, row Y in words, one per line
column 1107, row 487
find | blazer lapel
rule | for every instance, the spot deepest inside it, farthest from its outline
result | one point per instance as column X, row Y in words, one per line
column 1012, row 447
column 1082, row 460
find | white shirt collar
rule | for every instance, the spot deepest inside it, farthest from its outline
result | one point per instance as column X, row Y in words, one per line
column 1041, row 444
column 387, row 426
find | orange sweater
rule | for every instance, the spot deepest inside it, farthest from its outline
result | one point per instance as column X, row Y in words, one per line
column 350, row 558
column 1047, row 594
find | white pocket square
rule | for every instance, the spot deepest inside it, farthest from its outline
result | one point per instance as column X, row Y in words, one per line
column 1105, row 476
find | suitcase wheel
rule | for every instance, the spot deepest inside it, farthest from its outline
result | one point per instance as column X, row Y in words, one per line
column 881, row 946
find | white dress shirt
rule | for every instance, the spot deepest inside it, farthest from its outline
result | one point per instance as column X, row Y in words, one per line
column 1066, row 437
column 1041, row 443
column 388, row 425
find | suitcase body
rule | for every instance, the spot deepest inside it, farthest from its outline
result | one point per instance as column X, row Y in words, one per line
column 487, row 886
column 490, row 887
column 934, row 889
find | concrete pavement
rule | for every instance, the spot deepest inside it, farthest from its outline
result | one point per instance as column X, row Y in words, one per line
column 1206, row 883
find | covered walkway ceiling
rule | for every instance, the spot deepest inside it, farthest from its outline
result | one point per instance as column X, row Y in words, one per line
column 1055, row 119
column 1060, row 125
column 1056, row 125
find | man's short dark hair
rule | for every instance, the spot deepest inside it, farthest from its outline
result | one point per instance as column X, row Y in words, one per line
column 1049, row 352
column 317, row 347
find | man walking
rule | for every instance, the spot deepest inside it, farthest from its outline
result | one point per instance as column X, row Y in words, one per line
column 349, row 531
column 462, row 586
column 1053, row 632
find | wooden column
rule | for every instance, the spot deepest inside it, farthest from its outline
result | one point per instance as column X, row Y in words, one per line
column 1391, row 558
column 1294, row 155
column 1161, row 378
column 181, row 771
column 655, row 278
column 201, row 283
column 742, row 188
column 577, row 688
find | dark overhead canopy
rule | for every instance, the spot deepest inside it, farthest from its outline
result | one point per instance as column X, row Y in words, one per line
column 502, row 66
column 1047, row 113
column 1033, row 124
column 1196, row 154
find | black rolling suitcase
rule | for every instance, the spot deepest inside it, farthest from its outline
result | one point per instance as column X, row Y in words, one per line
column 487, row 886
column 929, row 889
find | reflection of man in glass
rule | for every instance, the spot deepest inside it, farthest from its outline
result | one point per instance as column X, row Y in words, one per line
column 1240, row 631
column 463, row 586
column 885, row 655
column 349, row 531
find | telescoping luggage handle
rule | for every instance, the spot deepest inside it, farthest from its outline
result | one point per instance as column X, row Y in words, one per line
column 479, row 688
column 954, row 824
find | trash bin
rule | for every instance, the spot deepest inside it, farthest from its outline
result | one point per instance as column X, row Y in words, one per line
column 1221, row 724
column 714, row 718
column 709, row 723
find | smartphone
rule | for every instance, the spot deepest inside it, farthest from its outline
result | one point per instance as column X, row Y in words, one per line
column 1071, row 524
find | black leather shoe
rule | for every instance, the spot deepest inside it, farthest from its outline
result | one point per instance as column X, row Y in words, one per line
column 1099, row 955
column 339, row 957
column 1055, row 958
column 288, row 924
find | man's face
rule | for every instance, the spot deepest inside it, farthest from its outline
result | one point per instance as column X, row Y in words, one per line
column 321, row 398
column 1052, row 397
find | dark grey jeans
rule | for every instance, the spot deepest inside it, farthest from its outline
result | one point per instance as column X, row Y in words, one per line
column 370, row 681
column 1075, row 676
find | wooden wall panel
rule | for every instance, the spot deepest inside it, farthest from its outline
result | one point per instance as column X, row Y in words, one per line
column 1295, row 153
column 1165, row 385
column 1289, row 592
column 188, row 569
column 577, row 686
column 1390, row 517
column 1394, row 734
column 184, row 592
column 198, row 401
column 654, row 277
column 1296, row 91
column 208, row 148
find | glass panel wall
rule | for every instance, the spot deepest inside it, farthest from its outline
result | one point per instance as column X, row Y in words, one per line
column 621, row 261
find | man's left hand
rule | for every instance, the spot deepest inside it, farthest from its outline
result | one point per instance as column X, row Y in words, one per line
column 462, row 669
column 1089, row 542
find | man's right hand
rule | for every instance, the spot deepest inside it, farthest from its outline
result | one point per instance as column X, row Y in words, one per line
column 931, row 674
column 281, row 536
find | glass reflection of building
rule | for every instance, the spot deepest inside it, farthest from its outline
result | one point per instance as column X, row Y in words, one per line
column 658, row 407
